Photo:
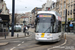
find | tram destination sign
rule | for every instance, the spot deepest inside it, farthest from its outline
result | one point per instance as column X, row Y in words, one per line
column 44, row 16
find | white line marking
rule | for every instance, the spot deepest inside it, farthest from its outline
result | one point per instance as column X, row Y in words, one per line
column 58, row 45
column 18, row 44
column 13, row 48
column 23, row 42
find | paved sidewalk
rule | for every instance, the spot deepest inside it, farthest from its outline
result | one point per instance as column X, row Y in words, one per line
column 3, row 43
column 16, row 35
column 31, row 29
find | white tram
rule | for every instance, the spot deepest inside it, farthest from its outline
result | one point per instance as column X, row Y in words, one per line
column 48, row 26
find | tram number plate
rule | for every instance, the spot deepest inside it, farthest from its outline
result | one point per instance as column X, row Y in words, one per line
column 42, row 34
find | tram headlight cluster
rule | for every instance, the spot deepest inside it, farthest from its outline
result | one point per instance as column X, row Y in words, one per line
column 49, row 34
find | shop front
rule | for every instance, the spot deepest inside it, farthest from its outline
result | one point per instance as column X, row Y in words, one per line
column 71, row 23
column 4, row 25
column 63, row 26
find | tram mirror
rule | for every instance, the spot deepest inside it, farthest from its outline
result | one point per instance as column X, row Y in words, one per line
column 36, row 20
column 52, row 21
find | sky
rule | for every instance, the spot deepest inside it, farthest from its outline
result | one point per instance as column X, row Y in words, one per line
column 22, row 6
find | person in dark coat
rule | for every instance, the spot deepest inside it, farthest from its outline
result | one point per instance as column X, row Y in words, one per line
column 25, row 30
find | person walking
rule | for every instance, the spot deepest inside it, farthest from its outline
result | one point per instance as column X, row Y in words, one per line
column 25, row 30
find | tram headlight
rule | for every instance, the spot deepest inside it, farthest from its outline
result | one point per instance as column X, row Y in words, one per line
column 49, row 34
column 37, row 34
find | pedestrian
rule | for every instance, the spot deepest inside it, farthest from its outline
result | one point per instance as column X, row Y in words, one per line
column 25, row 30
column 28, row 27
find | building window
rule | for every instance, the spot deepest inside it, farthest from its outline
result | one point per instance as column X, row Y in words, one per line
column 1, row 1
column 61, row 6
column 61, row 13
column 72, row 0
column 68, row 12
column 71, row 12
column 69, row 1
column 0, row 10
column 64, row 5
column 64, row 12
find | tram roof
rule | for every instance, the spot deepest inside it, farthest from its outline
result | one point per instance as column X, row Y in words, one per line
column 51, row 12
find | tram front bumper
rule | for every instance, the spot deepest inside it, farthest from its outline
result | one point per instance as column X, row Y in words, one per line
column 46, row 40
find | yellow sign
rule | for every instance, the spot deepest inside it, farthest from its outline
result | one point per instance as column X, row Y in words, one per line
column 70, row 19
column 63, row 22
column 43, row 34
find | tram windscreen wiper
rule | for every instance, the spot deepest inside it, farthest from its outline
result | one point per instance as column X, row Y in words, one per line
column 46, row 30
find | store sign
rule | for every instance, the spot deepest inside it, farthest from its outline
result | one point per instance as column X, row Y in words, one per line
column 70, row 19
column 63, row 22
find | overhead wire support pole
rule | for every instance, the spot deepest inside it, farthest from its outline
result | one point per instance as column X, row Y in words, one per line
column 13, row 12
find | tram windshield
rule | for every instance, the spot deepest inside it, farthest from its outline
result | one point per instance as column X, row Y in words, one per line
column 42, row 27
column 44, row 24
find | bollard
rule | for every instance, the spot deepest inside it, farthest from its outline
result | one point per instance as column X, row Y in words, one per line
column 65, row 36
column 17, row 35
column 5, row 35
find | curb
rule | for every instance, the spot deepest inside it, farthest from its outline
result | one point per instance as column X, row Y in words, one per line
column 2, row 44
column 16, row 37
column 13, row 38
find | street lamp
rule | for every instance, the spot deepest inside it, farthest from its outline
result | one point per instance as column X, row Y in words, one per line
column 24, row 19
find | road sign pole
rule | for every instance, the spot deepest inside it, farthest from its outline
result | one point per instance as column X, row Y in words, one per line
column 13, row 12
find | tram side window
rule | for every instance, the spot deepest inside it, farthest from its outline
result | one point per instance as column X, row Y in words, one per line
column 59, row 26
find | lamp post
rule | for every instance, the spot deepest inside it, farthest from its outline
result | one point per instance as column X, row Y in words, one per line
column 24, row 19
column 13, row 11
